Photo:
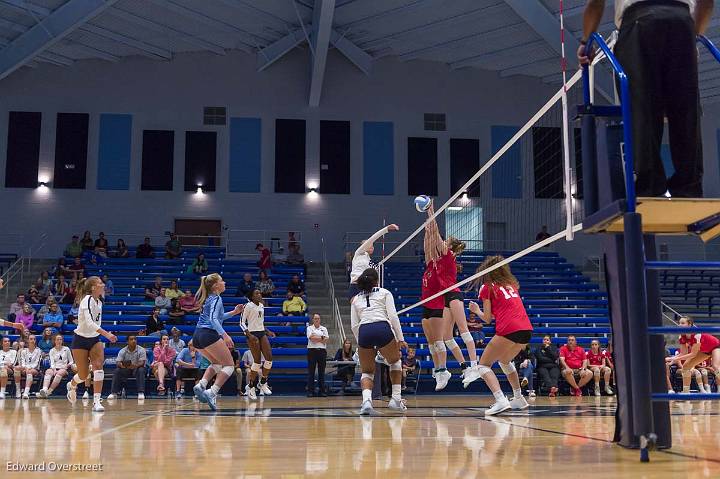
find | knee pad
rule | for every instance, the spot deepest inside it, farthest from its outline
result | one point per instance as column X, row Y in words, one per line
column 255, row 367
column 432, row 348
column 396, row 366
column 99, row 375
column 451, row 344
column 484, row 370
column 467, row 337
column 440, row 347
column 369, row 376
column 228, row 370
column 507, row 368
column 267, row 365
column 216, row 367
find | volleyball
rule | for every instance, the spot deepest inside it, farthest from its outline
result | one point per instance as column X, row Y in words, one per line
column 422, row 203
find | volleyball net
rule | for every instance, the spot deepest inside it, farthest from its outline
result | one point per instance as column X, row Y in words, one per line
column 524, row 198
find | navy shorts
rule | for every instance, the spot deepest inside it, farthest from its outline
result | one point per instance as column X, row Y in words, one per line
column 204, row 337
column 452, row 296
column 81, row 342
column 375, row 335
column 258, row 334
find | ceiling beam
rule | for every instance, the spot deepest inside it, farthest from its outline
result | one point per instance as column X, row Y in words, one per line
column 320, row 40
column 52, row 29
column 276, row 50
column 357, row 56
column 544, row 24
column 497, row 53
column 164, row 29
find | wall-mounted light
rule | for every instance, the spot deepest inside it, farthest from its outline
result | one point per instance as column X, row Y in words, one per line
column 199, row 190
column 455, row 208
column 42, row 184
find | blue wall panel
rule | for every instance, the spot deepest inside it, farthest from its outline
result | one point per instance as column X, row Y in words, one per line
column 378, row 158
column 114, row 152
column 507, row 171
column 245, row 154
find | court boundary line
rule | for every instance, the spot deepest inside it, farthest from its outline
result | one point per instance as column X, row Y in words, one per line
column 133, row 422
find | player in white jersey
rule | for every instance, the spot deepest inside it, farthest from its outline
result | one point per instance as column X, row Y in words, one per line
column 8, row 360
column 253, row 324
column 361, row 258
column 375, row 323
column 61, row 362
column 86, row 346
column 28, row 366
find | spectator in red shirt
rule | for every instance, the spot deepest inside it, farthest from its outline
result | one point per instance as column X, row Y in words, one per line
column 574, row 364
column 188, row 303
column 77, row 267
column 597, row 362
column 265, row 262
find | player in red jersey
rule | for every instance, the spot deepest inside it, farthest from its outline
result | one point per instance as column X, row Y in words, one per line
column 694, row 349
column 597, row 363
column 501, row 299
column 443, row 254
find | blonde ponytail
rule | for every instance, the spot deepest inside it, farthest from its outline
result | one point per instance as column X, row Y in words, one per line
column 206, row 285
column 85, row 286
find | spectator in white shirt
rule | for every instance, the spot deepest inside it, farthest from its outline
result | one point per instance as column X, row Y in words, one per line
column 316, row 355
column 163, row 302
column 176, row 341
column 61, row 362
column 8, row 359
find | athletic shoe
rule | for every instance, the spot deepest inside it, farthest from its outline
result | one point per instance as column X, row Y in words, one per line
column 97, row 407
column 41, row 394
column 531, row 394
column 265, row 389
column 597, row 391
column 112, row 397
column 210, row 399
column 499, row 406
column 441, row 379
column 199, row 393
column 609, row 391
column 553, row 392
column 577, row 392
column 524, row 382
column 71, row 392
column 470, row 374
column 2, row 395
column 367, row 409
column 86, row 395
column 671, row 391
column 17, row 394
column 251, row 393
column 141, row 396
column 519, row 404
column 397, row 405
column 26, row 395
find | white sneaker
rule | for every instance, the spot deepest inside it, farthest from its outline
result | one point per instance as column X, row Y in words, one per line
column 671, row 391
column 531, row 394
column 211, row 399
column 17, row 394
column 71, row 392
column 86, row 395
column 500, row 406
column 42, row 394
column 265, row 389
column 397, row 405
column 471, row 374
column 519, row 404
column 2, row 395
column 597, row 391
column 609, row 391
column 367, row 409
column 141, row 396
column 251, row 393
column 112, row 397
column 441, row 379
column 198, row 390
column 26, row 395
column 97, row 407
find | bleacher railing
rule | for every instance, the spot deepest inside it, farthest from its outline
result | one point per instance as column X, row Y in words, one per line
column 336, row 316
column 242, row 243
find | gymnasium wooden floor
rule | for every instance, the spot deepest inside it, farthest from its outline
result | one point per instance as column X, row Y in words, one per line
column 288, row 437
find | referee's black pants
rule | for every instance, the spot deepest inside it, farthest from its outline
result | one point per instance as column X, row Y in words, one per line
column 316, row 359
column 657, row 49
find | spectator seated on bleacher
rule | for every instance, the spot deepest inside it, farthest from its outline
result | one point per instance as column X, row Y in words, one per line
column 295, row 257
column 176, row 342
column 200, row 265
column 153, row 290
column 101, row 245
column 121, row 250
column 145, row 250
column 574, row 365
column 345, row 373
column 61, row 365
column 188, row 303
column 174, row 291
column 173, row 248
column 61, row 288
column 409, row 365
column 74, row 309
column 246, row 287
column 265, row 285
column 61, row 268
column 546, row 363
column 187, row 367
column 73, row 248
column 131, row 361
column 526, row 367
column 16, row 307
column 293, row 305
column 163, row 302
column 71, row 293
column 475, row 326
column 45, row 308
column 77, row 268
column 163, row 359
column 53, row 318
column 8, row 358
column 33, row 295
column 109, row 286
column 154, row 326
column 265, row 261
column 87, row 242
column 296, row 286
column 92, row 257
column 45, row 285
column 26, row 317
column 176, row 314
column 46, row 342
